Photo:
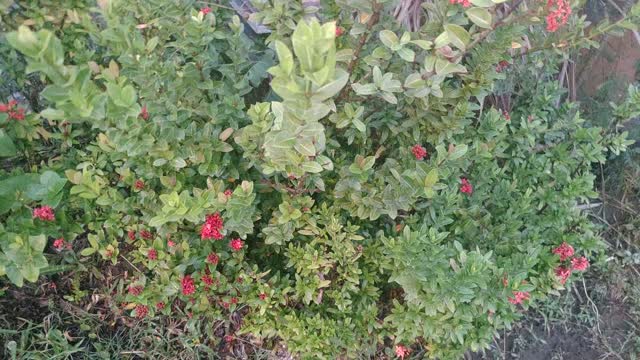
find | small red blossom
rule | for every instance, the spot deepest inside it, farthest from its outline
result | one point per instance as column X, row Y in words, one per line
column 205, row 10
column 171, row 243
column 225, row 304
column 139, row 185
column 236, row 244
column 559, row 11
column 141, row 311
column 506, row 115
column 502, row 65
column 207, row 280
column 213, row 258
column 228, row 193
column 565, row 251
column 152, row 254
column 44, row 213
column 563, row 274
column 132, row 235
column 12, row 103
column 135, row 290
column 160, row 305
column 518, row 297
column 228, row 338
column 465, row 186
column 144, row 114
column 419, row 152
column 4, row 107
column 234, row 300
column 212, row 227
column 401, row 351
column 146, row 234
column 464, row 3
column 58, row 244
column 188, row 286
column 262, row 296
column 580, row 264
column 17, row 115
column 339, row 31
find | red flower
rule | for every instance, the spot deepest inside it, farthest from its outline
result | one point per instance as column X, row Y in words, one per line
column 131, row 234
column 262, row 296
column 502, row 65
column 228, row 193
column 4, row 107
column 506, row 115
column 144, row 113
column 17, row 115
column 171, row 243
column 225, row 304
column 401, row 351
column 141, row 311
column 139, row 185
column 339, row 31
column 212, row 227
column 580, row 264
column 135, row 290
column 234, row 300
column 565, row 251
column 44, row 213
column 419, row 152
column 205, row 10
column 563, row 274
column 213, row 258
column 58, row 244
column 228, row 338
column 188, row 287
column 466, row 187
column 207, row 280
column 559, row 11
column 518, row 297
column 12, row 103
column 146, row 234
column 236, row 244
column 152, row 254
column 160, row 305
column 465, row 3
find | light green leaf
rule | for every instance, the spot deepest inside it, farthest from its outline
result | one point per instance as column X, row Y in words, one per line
column 311, row 167
column 480, row 17
column 7, row 148
column 38, row 242
column 389, row 39
column 457, row 35
column 407, row 54
column 285, row 57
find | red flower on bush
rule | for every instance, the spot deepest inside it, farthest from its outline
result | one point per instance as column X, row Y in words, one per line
column 205, row 10
column 228, row 193
column 518, row 297
column 212, row 227
column 131, row 234
column 559, row 11
column 135, row 290
column 146, row 234
column 44, row 213
column 262, row 296
column 59, row 244
column 563, row 273
column 152, row 254
column 339, row 31
column 234, row 300
column 580, row 264
column 465, row 186
column 236, row 244
column 160, row 305
column 465, row 3
column 565, row 251
column 506, row 115
column 188, row 286
column 141, row 311
column 207, row 280
column 502, row 65
column 213, row 258
column 144, row 113
column 17, row 114
column 171, row 243
column 139, row 185
column 228, row 338
column 401, row 351
column 419, row 152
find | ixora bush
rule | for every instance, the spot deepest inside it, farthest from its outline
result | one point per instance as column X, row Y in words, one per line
column 361, row 197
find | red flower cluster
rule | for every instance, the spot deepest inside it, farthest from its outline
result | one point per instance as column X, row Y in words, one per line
column 17, row 114
column 518, row 297
column 236, row 244
column 502, row 65
column 135, row 290
column 132, row 235
column 419, row 152
column 207, row 280
column 212, row 227
column 44, row 213
column 466, row 187
column 465, row 3
column 139, row 185
column 141, row 311
column 559, row 11
column 144, row 114
column 146, row 234
column 565, row 251
column 160, row 305
column 563, row 274
column 152, row 254
column 401, row 351
column 205, row 10
column 188, row 286
column 171, row 243
column 262, row 296
column 213, row 258
column 228, row 193
column 580, row 264
column 59, row 244
column 339, row 31
column 506, row 115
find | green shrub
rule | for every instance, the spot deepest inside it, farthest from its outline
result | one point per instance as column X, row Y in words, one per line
column 362, row 193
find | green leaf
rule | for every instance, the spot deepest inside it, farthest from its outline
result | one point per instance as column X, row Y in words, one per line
column 483, row 3
column 407, row 54
column 480, row 17
column 431, row 178
column 458, row 152
column 359, row 125
column 457, row 35
column 305, row 147
column 423, row 44
column 14, row 274
column 444, row 67
column 311, row 167
column 7, row 148
column 389, row 39
column 88, row 251
column 285, row 57
column 38, row 242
